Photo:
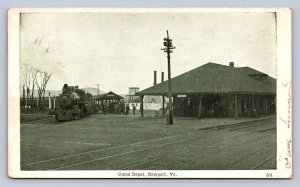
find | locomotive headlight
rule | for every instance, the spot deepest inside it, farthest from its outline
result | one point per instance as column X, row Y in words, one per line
column 64, row 99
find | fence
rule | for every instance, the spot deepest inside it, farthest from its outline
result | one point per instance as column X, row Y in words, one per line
column 35, row 105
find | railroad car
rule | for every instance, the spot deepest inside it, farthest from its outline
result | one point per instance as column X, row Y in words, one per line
column 74, row 103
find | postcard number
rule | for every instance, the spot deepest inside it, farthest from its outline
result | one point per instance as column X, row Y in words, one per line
column 269, row 175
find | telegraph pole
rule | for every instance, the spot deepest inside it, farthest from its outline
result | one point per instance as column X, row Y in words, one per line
column 168, row 49
column 98, row 95
column 98, row 90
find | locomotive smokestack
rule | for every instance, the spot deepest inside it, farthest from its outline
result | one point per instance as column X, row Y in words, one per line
column 162, row 77
column 231, row 64
column 154, row 78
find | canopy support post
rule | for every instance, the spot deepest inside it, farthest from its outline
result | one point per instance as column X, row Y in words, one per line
column 142, row 106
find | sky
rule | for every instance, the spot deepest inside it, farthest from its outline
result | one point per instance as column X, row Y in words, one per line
column 121, row 50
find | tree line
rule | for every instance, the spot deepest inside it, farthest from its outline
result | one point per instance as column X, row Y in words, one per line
column 34, row 80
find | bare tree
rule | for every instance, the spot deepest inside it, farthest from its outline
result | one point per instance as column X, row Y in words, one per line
column 41, row 81
column 27, row 84
column 23, row 89
column 33, row 78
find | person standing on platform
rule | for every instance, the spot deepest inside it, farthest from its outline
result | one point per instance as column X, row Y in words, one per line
column 127, row 109
column 133, row 108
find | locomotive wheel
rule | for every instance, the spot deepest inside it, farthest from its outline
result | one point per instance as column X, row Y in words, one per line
column 74, row 117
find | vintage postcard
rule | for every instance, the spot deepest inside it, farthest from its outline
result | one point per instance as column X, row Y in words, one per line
column 149, row 93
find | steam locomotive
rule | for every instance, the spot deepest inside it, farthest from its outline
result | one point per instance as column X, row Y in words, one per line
column 74, row 103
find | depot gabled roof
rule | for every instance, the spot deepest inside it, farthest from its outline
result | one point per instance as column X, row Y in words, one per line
column 217, row 78
column 109, row 96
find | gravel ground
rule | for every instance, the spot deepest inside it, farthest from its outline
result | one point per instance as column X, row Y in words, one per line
column 102, row 142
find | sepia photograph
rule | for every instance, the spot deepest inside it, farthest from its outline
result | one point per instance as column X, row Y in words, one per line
column 149, row 93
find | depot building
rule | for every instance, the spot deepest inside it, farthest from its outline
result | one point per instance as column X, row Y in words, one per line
column 215, row 90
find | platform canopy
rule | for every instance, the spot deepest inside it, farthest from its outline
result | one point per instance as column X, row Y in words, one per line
column 216, row 78
column 108, row 96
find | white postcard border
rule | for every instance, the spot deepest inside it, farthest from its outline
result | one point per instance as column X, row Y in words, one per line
column 284, row 101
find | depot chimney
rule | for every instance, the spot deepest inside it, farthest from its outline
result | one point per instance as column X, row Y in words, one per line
column 154, row 78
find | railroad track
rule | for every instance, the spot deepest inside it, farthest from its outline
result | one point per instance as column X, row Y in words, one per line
column 46, row 121
column 187, row 163
column 39, row 119
column 43, row 121
column 190, row 136
column 241, row 125
column 264, row 161
column 206, row 156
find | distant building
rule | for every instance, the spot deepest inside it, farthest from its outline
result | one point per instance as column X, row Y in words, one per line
column 215, row 90
column 150, row 102
column 131, row 97
column 109, row 102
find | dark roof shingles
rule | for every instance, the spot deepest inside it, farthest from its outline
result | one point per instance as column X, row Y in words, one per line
column 215, row 78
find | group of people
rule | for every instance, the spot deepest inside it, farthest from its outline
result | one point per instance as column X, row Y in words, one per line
column 127, row 108
column 118, row 108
